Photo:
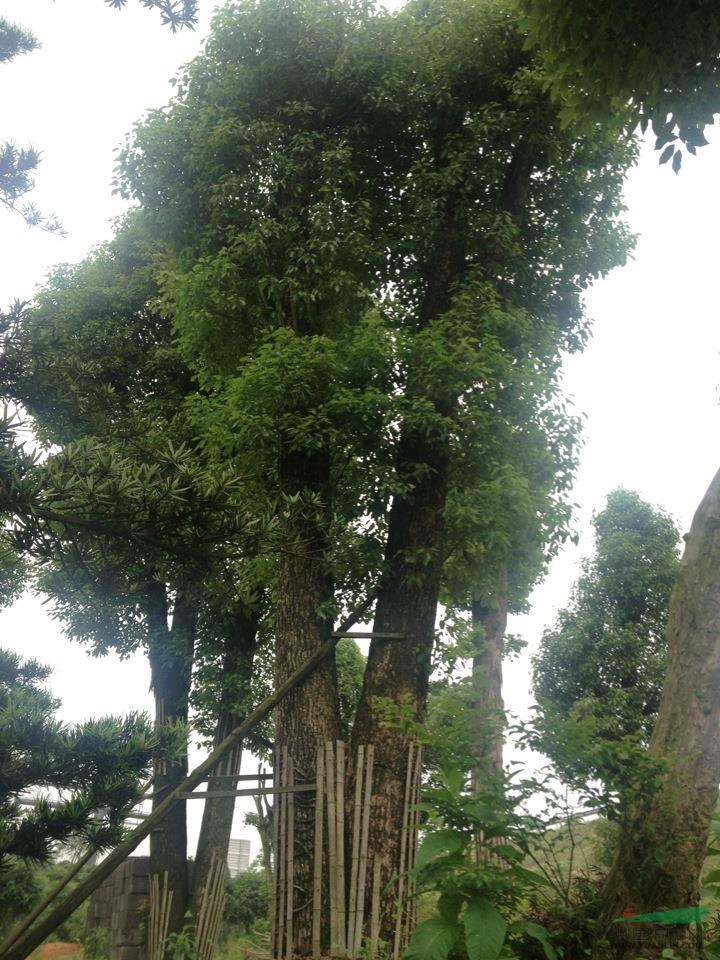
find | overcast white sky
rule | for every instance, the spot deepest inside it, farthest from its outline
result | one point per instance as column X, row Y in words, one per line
column 647, row 384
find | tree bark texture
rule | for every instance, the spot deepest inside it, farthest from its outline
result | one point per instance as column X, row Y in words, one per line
column 218, row 813
column 311, row 714
column 663, row 837
column 170, row 651
column 487, row 671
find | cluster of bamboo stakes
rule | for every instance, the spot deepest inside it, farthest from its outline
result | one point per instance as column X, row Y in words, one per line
column 346, row 925
column 209, row 919
column 346, row 883
column 158, row 916
column 283, row 902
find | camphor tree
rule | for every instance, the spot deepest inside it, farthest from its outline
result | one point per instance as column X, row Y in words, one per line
column 492, row 279
column 599, row 672
column 372, row 227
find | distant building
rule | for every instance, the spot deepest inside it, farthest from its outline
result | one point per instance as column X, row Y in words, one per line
column 238, row 858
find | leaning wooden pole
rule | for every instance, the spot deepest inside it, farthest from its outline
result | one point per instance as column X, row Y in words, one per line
column 25, row 945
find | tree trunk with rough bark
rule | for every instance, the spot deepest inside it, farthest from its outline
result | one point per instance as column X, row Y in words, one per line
column 217, row 820
column 487, row 671
column 398, row 671
column 663, row 836
column 311, row 714
column 170, row 651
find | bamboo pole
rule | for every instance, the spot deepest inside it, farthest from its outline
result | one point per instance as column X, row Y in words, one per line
column 415, row 823
column 260, row 792
column 332, row 843
column 213, row 900
column 404, row 850
column 206, row 938
column 160, row 902
column 355, row 854
column 152, row 919
column 290, row 800
column 340, row 845
column 364, row 840
column 274, row 951
column 25, row 944
column 318, row 857
column 375, row 910
column 282, row 860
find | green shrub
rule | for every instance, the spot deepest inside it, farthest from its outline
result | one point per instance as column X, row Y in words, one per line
column 247, row 900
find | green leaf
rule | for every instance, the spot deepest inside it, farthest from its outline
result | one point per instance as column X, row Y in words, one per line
column 438, row 844
column 712, row 877
column 449, row 906
column 539, row 933
column 676, row 164
column 453, row 779
column 432, row 940
column 485, row 930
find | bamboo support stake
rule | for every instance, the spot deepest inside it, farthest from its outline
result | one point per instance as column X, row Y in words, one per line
column 217, row 903
column 150, row 935
column 404, row 850
column 340, row 844
column 364, row 841
column 211, row 907
column 290, row 781
column 276, row 849
column 318, row 857
column 355, row 855
column 332, row 841
column 415, row 823
column 375, row 910
column 282, row 862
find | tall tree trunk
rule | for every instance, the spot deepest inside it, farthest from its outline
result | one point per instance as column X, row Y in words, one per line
column 663, row 837
column 170, row 651
column 399, row 671
column 217, row 820
column 311, row 714
column 487, row 673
